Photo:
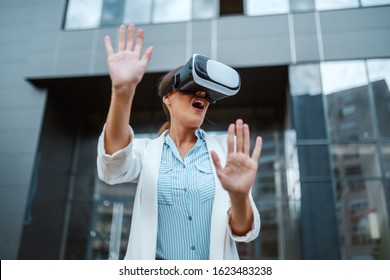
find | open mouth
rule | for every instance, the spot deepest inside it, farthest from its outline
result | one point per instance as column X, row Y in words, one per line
column 198, row 104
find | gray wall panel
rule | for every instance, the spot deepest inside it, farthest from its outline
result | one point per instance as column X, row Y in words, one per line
column 49, row 15
column 40, row 64
column 12, row 74
column 72, row 63
column 250, row 41
column 15, row 34
column 253, row 52
column 169, row 42
column 76, row 40
column 355, row 19
column 10, row 236
column 21, row 97
column 305, row 37
column 356, row 33
column 44, row 41
column 357, row 44
column 201, row 38
column 15, row 169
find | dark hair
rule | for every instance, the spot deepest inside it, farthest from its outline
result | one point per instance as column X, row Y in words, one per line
column 164, row 81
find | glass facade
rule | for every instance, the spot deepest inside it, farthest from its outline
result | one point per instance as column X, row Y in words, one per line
column 333, row 162
column 84, row 14
column 348, row 134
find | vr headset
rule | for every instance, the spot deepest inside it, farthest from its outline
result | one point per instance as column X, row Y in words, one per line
column 203, row 74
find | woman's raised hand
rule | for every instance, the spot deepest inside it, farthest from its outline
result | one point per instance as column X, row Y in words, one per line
column 127, row 65
column 239, row 173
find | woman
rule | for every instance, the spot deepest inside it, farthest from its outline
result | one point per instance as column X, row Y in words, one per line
column 185, row 206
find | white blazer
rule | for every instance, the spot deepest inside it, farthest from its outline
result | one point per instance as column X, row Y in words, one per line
column 139, row 162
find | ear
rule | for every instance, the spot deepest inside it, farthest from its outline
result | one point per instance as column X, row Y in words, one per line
column 167, row 99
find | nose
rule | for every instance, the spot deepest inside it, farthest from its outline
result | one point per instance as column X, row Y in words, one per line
column 201, row 93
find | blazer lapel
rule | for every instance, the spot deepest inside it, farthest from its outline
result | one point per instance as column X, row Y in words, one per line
column 221, row 202
column 149, row 197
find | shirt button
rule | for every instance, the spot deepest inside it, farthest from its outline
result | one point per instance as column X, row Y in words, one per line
column 190, row 218
column 192, row 247
column 185, row 189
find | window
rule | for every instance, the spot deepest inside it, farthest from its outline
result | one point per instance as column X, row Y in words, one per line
column 171, row 10
column 112, row 12
column 137, row 11
column 266, row 7
column 302, row 5
column 231, row 7
column 336, row 4
column 374, row 2
column 82, row 14
column 204, row 9
column 366, row 161
column 348, row 110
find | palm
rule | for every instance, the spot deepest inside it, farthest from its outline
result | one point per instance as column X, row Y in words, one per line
column 240, row 170
column 127, row 66
column 239, row 173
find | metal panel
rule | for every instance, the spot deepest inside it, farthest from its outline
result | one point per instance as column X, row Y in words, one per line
column 356, row 33
column 305, row 33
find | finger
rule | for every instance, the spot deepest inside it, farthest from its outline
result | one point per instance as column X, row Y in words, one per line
column 257, row 150
column 121, row 38
column 148, row 54
column 139, row 42
column 230, row 140
column 239, row 136
column 130, row 37
column 217, row 163
column 247, row 143
column 107, row 43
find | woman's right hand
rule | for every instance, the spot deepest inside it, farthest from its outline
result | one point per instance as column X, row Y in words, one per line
column 127, row 66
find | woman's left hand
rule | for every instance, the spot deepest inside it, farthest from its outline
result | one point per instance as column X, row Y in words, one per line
column 240, row 170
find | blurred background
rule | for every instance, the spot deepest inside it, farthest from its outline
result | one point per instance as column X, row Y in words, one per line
column 315, row 85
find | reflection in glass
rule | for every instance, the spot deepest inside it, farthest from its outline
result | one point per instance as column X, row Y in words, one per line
column 349, row 114
column 385, row 151
column 305, row 88
column 314, row 161
column 171, row 10
column 305, row 79
column 342, row 75
column 82, row 14
column 302, row 5
column 111, row 220
column 363, row 220
column 357, row 160
column 204, row 9
column 266, row 7
column 374, row 2
column 137, row 11
column 336, row 4
column 279, row 212
column 379, row 69
column 112, row 12
column 379, row 74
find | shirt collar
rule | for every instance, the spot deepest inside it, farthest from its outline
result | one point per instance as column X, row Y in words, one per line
column 199, row 134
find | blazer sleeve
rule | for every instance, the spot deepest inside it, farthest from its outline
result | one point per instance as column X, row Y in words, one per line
column 253, row 233
column 122, row 166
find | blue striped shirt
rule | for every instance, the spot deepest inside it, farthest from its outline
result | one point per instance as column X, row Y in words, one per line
column 185, row 193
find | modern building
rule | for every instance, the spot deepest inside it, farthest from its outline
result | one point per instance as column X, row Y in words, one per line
column 315, row 85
